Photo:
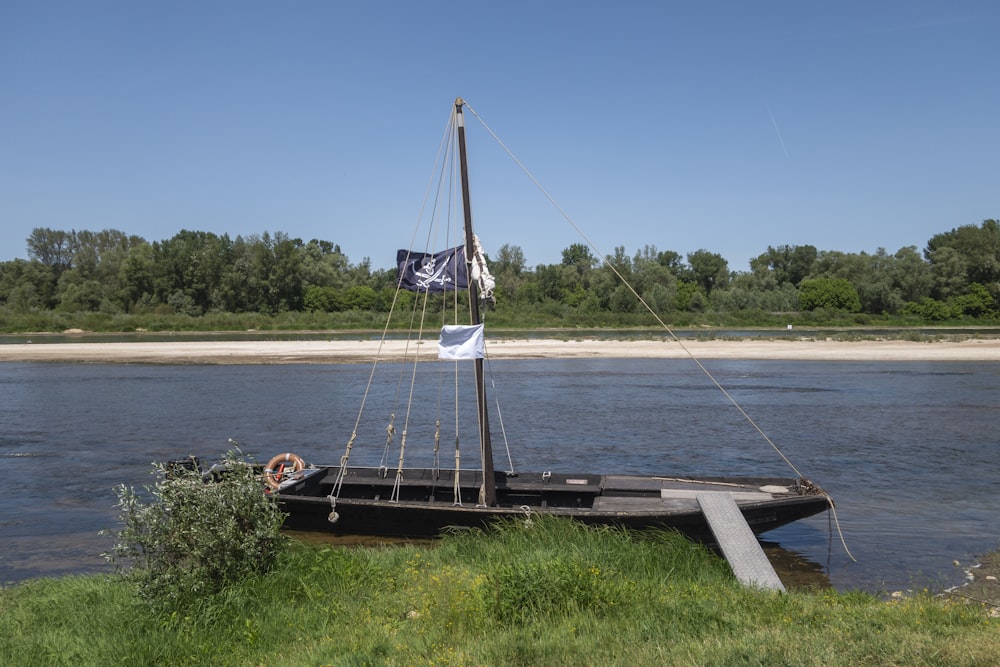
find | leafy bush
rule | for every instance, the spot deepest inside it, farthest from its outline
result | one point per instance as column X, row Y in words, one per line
column 976, row 302
column 835, row 293
column 192, row 537
column 929, row 309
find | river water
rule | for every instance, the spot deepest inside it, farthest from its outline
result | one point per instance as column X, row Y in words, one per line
column 908, row 450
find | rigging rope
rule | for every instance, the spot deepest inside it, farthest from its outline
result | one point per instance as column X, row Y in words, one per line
column 604, row 258
column 496, row 400
column 424, row 304
column 440, row 199
column 443, row 149
column 446, row 190
column 480, row 272
column 614, row 269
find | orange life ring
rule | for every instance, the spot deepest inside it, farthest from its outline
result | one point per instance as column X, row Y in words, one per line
column 281, row 465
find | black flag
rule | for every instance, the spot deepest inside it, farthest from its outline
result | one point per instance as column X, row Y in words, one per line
column 439, row 272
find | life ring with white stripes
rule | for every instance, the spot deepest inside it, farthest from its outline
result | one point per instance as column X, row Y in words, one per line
column 281, row 466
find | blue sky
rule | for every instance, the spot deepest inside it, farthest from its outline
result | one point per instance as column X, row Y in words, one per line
column 725, row 126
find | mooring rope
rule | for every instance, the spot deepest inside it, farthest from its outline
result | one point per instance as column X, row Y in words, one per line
column 836, row 523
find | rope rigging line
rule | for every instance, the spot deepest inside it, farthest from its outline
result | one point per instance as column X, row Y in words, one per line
column 628, row 285
column 452, row 199
column 443, row 146
column 604, row 258
column 447, row 166
column 496, row 400
column 444, row 196
column 439, row 204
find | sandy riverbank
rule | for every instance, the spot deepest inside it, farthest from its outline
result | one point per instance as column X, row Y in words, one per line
column 345, row 351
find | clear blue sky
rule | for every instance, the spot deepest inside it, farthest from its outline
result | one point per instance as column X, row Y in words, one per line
column 725, row 126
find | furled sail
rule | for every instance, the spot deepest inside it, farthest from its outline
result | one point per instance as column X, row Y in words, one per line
column 480, row 272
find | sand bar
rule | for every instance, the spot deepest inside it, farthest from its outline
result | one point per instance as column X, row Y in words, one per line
column 355, row 351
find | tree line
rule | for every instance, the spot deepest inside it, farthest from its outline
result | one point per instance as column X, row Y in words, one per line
column 956, row 276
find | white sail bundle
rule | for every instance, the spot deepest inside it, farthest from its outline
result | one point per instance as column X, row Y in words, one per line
column 480, row 272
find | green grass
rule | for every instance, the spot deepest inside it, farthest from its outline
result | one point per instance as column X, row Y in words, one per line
column 541, row 316
column 552, row 593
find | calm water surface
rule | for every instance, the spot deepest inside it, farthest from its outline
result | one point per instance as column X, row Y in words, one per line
column 908, row 450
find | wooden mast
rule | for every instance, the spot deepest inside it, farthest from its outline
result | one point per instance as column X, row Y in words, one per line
column 486, row 447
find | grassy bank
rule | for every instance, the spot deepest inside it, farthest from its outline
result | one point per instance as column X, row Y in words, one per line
column 551, row 593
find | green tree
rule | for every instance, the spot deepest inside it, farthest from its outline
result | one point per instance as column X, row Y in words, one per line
column 653, row 279
column 623, row 301
column 509, row 271
column 510, row 260
column 285, row 278
column 53, row 248
column 189, row 270
column 979, row 248
column 660, row 299
column 911, row 275
column 579, row 256
column 136, row 277
column 94, row 280
column 528, row 293
column 323, row 265
column 320, row 299
column 360, row 297
column 551, row 282
column 672, row 261
column 26, row 286
column 831, row 293
column 690, row 297
column 929, row 309
column 876, row 291
column 948, row 271
column 747, row 291
column 709, row 270
column 976, row 302
column 788, row 264
column 883, row 282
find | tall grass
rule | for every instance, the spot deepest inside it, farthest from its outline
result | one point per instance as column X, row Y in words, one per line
column 548, row 593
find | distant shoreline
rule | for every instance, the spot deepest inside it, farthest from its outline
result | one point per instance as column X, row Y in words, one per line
column 358, row 351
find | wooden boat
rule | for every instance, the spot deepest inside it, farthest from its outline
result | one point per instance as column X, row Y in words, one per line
column 397, row 500
column 425, row 504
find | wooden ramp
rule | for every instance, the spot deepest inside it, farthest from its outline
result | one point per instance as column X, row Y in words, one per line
column 738, row 543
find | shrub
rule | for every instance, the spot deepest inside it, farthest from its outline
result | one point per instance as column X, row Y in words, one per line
column 835, row 293
column 929, row 309
column 192, row 537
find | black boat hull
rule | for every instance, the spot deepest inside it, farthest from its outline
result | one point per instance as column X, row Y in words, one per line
column 425, row 503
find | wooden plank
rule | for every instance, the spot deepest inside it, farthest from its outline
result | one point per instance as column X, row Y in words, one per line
column 648, row 504
column 541, row 487
column 631, row 483
column 757, row 496
column 738, row 543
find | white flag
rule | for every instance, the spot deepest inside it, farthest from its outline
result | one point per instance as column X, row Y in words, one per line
column 461, row 341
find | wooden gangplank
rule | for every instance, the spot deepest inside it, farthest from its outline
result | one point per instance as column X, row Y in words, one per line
column 738, row 543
